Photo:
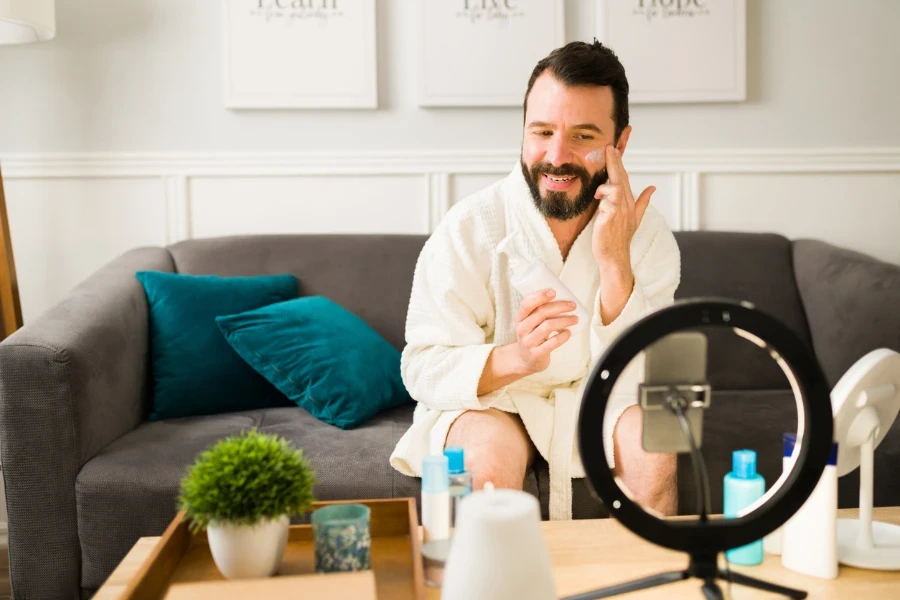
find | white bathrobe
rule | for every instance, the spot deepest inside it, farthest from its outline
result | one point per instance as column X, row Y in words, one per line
column 463, row 305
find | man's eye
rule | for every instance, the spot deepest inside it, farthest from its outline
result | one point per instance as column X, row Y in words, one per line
column 545, row 133
column 585, row 137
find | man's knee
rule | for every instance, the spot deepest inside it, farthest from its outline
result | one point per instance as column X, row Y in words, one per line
column 651, row 477
column 490, row 464
column 496, row 446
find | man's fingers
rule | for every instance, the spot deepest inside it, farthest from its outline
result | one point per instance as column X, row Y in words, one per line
column 542, row 313
column 532, row 301
column 606, row 208
column 555, row 342
column 605, row 190
column 642, row 203
column 624, row 181
column 546, row 329
column 613, row 166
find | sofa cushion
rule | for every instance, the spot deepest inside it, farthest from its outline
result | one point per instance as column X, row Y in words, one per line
column 130, row 489
column 369, row 275
column 195, row 371
column 852, row 301
column 754, row 267
column 322, row 357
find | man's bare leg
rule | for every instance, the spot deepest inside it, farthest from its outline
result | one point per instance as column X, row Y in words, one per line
column 497, row 447
column 651, row 477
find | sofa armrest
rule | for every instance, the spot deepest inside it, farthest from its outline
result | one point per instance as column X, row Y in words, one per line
column 71, row 381
column 852, row 303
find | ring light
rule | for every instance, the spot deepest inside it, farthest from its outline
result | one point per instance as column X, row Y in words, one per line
column 704, row 540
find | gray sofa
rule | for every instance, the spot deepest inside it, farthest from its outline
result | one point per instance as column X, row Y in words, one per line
column 86, row 475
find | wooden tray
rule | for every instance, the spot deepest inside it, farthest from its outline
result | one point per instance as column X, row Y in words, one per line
column 181, row 565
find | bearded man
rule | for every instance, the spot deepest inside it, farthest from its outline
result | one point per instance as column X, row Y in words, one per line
column 501, row 375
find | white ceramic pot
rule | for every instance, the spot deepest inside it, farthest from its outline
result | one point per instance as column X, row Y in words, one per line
column 248, row 551
column 498, row 550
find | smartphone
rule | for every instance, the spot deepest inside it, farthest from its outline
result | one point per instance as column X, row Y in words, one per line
column 677, row 359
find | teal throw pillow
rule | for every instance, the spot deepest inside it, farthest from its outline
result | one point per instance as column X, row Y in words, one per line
column 321, row 356
column 195, row 371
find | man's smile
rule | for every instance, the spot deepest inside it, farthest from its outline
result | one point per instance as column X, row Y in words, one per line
column 559, row 183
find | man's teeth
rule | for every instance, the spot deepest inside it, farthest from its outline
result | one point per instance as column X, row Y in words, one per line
column 559, row 179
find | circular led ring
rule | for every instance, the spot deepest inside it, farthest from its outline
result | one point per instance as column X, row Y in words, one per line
column 790, row 491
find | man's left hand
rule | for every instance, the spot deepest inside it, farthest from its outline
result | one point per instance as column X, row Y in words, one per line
column 619, row 216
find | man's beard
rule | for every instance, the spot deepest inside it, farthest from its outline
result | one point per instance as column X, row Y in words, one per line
column 556, row 205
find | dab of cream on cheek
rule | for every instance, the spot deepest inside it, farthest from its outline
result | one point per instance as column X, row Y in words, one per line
column 595, row 156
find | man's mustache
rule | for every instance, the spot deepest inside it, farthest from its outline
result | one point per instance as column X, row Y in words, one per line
column 560, row 171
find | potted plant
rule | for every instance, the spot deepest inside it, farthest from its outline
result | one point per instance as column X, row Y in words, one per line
column 242, row 491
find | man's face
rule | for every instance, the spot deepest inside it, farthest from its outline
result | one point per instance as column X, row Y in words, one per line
column 562, row 126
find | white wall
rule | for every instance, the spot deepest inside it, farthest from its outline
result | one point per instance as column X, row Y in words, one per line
column 114, row 135
column 144, row 75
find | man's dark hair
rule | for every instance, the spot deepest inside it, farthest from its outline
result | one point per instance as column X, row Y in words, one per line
column 579, row 64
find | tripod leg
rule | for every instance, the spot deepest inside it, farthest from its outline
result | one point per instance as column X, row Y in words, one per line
column 712, row 591
column 762, row 585
column 632, row 586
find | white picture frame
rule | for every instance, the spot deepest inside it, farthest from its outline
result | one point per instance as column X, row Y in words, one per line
column 481, row 52
column 261, row 43
column 678, row 50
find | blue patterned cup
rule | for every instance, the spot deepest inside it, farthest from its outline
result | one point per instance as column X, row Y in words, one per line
column 342, row 538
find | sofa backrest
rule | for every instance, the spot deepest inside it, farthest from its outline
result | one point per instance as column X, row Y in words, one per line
column 371, row 275
column 758, row 268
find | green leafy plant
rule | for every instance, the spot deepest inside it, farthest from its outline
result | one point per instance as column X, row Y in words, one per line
column 245, row 478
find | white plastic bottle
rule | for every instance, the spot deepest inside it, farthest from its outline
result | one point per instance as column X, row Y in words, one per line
column 533, row 276
column 435, row 498
column 773, row 541
column 809, row 545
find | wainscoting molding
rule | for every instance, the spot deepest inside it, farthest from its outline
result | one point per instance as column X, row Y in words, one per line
column 436, row 167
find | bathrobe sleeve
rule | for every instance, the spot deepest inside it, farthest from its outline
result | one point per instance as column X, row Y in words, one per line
column 657, row 273
column 450, row 314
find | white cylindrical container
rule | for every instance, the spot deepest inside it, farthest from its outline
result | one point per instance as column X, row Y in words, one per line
column 529, row 276
column 773, row 542
column 435, row 498
column 809, row 545
column 499, row 550
column 248, row 551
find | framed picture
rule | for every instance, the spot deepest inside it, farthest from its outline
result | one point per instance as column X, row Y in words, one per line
column 299, row 54
column 678, row 50
column 481, row 52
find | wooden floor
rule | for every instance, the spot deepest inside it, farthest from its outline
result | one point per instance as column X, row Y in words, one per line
column 5, row 590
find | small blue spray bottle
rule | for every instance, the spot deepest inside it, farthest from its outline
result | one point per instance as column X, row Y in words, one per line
column 743, row 487
column 460, row 480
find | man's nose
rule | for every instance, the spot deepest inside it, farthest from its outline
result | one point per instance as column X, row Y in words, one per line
column 558, row 152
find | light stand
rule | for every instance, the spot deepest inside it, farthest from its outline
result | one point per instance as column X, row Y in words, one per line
column 21, row 22
column 866, row 401
column 701, row 566
column 705, row 539
column 10, row 306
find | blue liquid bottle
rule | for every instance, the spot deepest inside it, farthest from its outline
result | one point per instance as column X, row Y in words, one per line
column 460, row 480
column 743, row 487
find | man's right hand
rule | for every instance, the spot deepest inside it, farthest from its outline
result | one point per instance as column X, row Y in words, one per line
column 537, row 319
column 541, row 328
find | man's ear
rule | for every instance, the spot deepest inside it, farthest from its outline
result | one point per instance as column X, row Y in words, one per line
column 623, row 139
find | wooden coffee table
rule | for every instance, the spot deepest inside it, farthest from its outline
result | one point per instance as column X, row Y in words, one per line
column 591, row 554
